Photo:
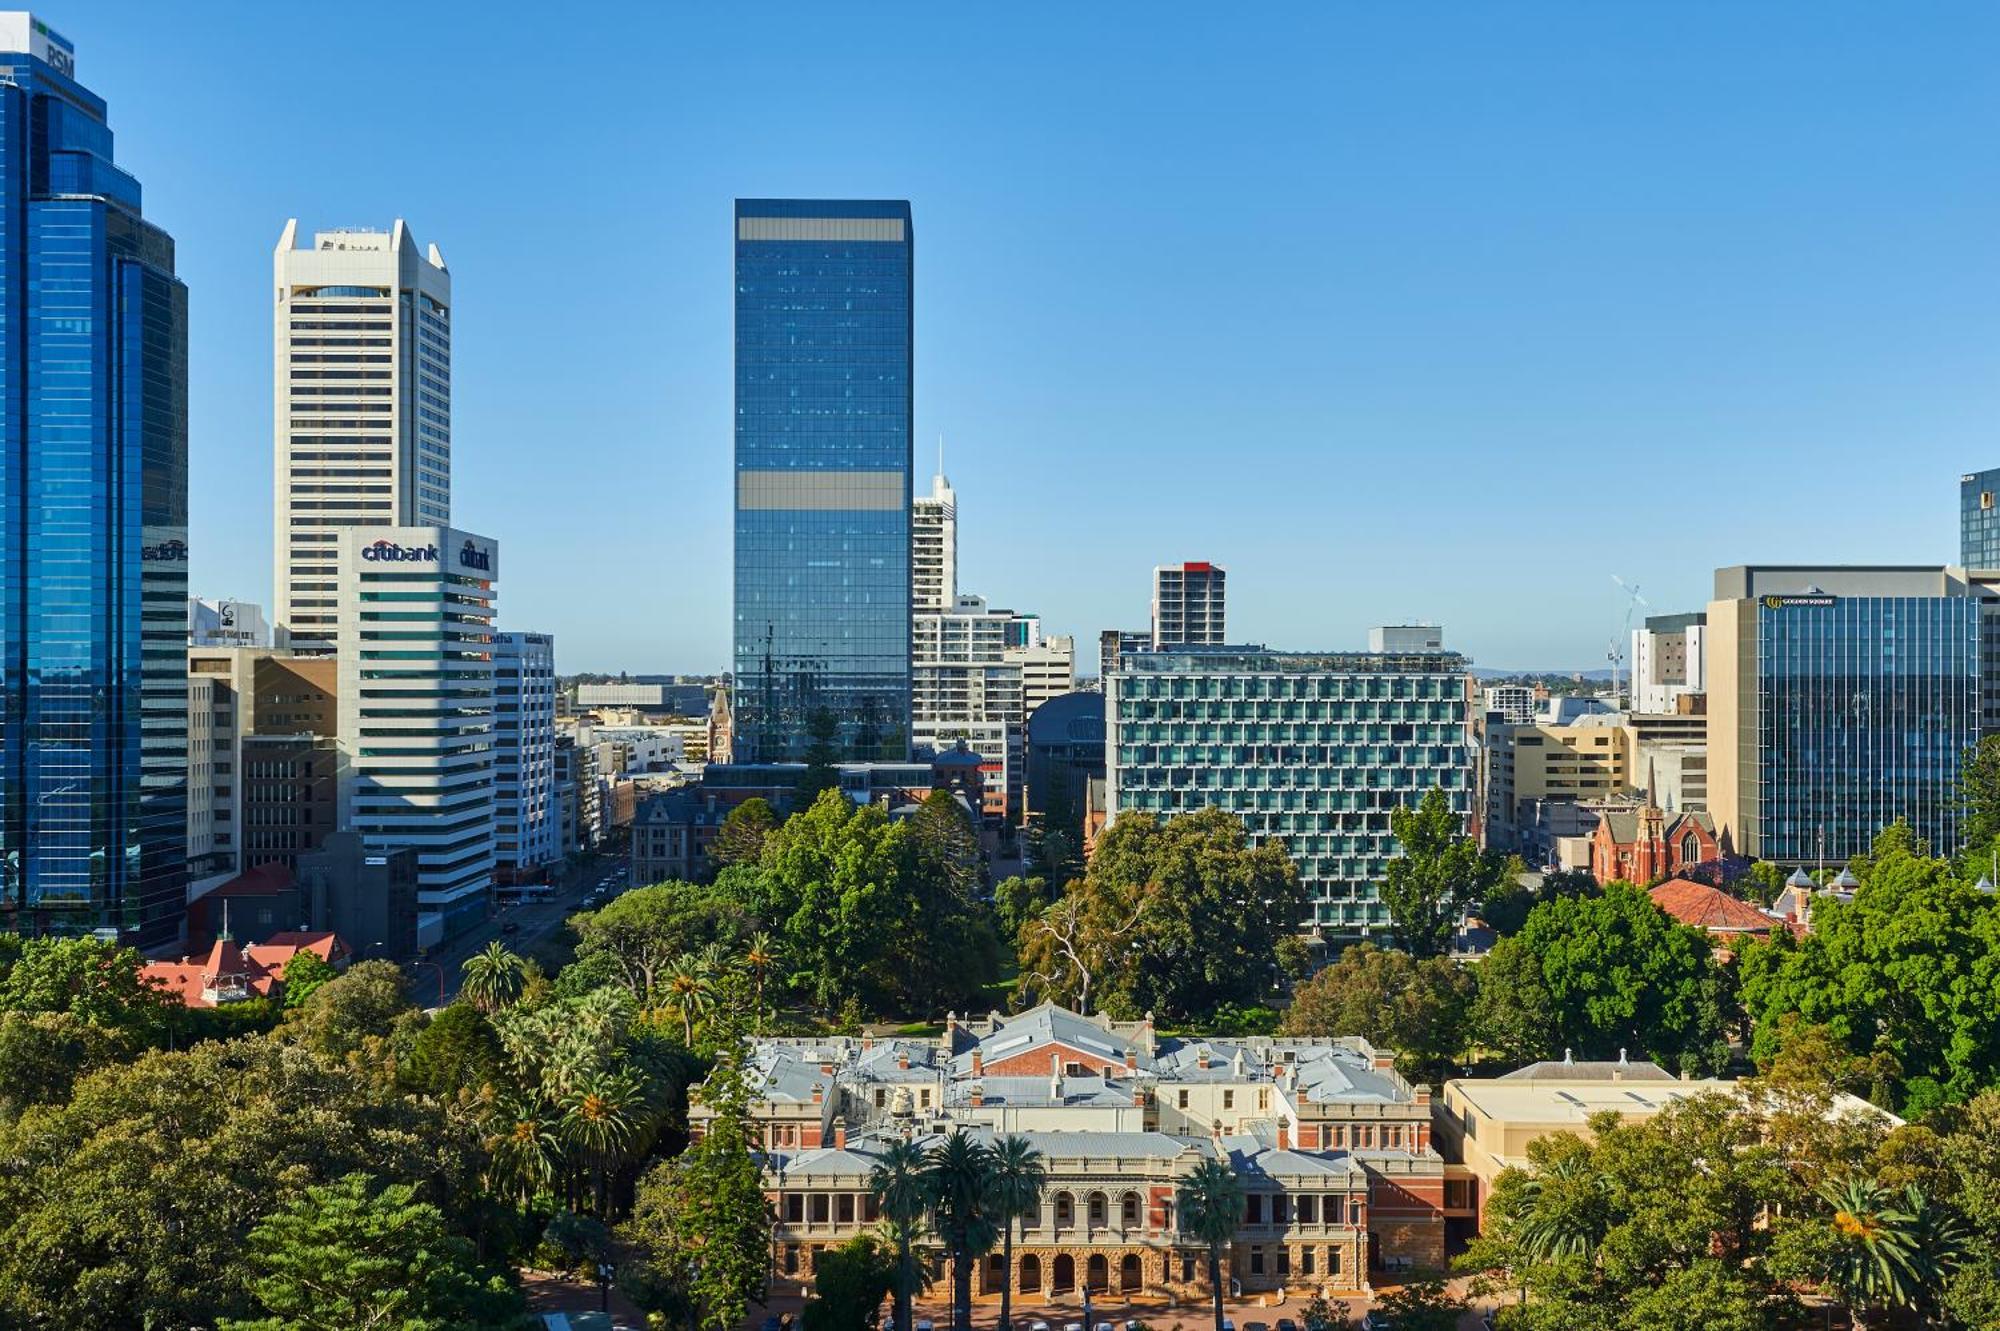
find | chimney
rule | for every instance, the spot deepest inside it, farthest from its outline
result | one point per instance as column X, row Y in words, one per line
column 1384, row 1060
column 1139, row 1096
column 840, row 1136
column 903, row 1059
column 826, row 1067
column 978, row 1095
column 867, row 1043
column 1201, row 1058
column 819, row 1093
column 978, row 1063
column 1131, row 1060
column 1284, row 1135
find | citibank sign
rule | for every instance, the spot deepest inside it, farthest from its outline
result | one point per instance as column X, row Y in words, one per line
column 388, row 552
column 471, row 556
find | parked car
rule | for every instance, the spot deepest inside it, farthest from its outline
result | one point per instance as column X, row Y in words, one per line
column 1375, row 1321
column 1287, row 1324
column 1255, row 1326
column 1038, row 1325
column 1103, row 1326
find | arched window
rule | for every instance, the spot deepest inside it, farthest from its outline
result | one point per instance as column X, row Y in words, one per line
column 1690, row 849
column 1100, row 1206
column 1065, row 1209
column 1128, row 1210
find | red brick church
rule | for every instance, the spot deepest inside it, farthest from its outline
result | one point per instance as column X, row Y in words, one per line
column 1648, row 844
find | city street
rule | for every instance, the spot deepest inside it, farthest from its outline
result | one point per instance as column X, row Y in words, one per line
column 435, row 977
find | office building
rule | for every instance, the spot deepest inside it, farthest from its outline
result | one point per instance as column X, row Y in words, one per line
column 1979, row 520
column 967, row 673
column 415, row 637
column 1587, row 761
column 934, row 546
column 93, row 461
column 1311, row 750
column 579, row 805
column 261, row 764
column 1188, row 605
column 362, row 407
column 1330, row 1144
column 524, row 755
column 1511, row 704
column 1406, row 638
column 1839, row 700
column 224, row 623
column 1115, row 644
column 1668, row 660
column 366, row 897
column 1048, row 669
column 823, row 466
column 1065, row 754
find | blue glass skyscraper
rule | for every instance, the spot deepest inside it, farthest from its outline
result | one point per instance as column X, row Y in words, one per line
column 1979, row 519
column 823, row 465
column 93, row 519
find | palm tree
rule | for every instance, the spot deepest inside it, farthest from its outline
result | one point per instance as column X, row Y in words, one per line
column 494, row 978
column 527, row 1154
column 1892, row 1252
column 1018, row 1175
column 599, row 1119
column 1210, row 1202
column 959, row 1172
column 759, row 956
column 898, row 1182
column 691, row 990
column 1564, row 1210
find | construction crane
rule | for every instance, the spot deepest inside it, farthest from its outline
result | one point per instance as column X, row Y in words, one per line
column 1617, row 654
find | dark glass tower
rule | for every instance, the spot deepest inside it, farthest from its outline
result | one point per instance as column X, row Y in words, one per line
column 823, row 463
column 93, row 519
column 1979, row 520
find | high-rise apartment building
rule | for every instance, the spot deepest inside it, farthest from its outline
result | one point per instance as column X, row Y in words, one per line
column 1048, row 669
column 1839, row 700
column 966, row 683
column 1979, row 520
column 823, row 467
column 1313, row 751
column 934, row 547
column 415, row 636
column 362, row 407
column 524, row 755
column 93, row 532
column 1188, row 605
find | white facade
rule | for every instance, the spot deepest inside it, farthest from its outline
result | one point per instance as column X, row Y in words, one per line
column 653, row 696
column 1669, row 661
column 1392, row 638
column 416, row 645
column 226, row 623
column 362, row 415
column 966, row 682
column 1514, row 702
column 934, row 548
column 524, row 752
column 1188, row 605
column 1048, row 670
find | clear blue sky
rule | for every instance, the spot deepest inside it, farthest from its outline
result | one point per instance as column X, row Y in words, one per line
column 1398, row 311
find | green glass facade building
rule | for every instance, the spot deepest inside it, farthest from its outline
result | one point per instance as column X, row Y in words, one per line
column 1312, row 750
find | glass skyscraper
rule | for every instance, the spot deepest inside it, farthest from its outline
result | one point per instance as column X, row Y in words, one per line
column 1313, row 751
column 823, row 468
column 93, row 518
column 1979, row 519
column 1839, row 700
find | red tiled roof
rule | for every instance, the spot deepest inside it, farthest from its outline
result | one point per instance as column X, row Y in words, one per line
column 274, row 952
column 265, row 880
column 191, row 980
column 1709, row 908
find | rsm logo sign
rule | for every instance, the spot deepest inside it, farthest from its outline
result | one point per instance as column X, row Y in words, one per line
column 54, row 49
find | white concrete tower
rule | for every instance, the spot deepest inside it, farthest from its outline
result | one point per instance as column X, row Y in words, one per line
column 362, row 407
column 934, row 545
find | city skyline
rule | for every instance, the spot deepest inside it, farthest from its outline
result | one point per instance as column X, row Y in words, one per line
column 1736, row 255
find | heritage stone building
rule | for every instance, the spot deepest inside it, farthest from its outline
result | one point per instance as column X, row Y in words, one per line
column 1333, row 1147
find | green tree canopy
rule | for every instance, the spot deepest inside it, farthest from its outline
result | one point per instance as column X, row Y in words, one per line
column 1911, row 967
column 1599, row 974
column 1417, row 1008
column 304, row 974
column 745, row 828
column 1438, row 874
column 638, row 935
column 849, row 1283
column 347, row 1256
column 130, row 1204
column 342, row 1015
column 90, row 978
column 1176, row 917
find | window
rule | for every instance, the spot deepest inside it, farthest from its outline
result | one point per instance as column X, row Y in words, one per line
column 1333, row 1261
column 1253, row 1209
column 791, row 1259
column 1284, row 1261
column 1183, row 1099
column 1305, row 1261
column 795, row 1209
column 1229, row 1099
column 1257, row 1261
column 1308, row 1211
column 820, row 1208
